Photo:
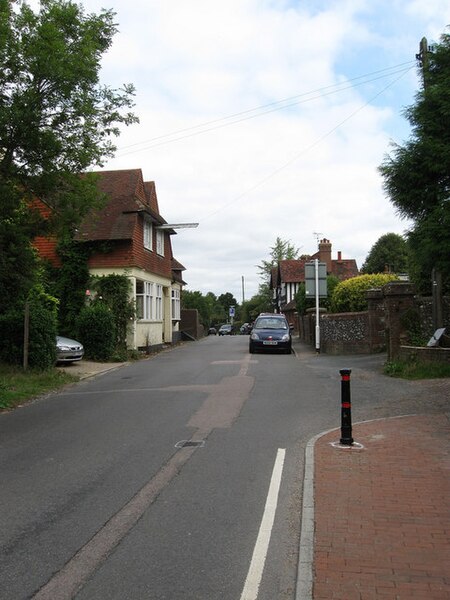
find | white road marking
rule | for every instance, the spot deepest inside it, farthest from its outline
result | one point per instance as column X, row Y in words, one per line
column 252, row 583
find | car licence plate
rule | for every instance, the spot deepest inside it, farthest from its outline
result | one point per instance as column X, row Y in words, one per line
column 270, row 343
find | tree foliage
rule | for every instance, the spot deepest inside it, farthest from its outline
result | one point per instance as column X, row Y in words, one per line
column 350, row 295
column 42, row 310
column 281, row 250
column 196, row 300
column 260, row 302
column 97, row 331
column 226, row 300
column 217, row 312
column 303, row 302
column 417, row 174
column 56, row 121
column 114, row 291
column 55, row 117
column 389, row 253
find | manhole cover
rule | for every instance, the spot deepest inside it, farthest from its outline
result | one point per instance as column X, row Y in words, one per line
column 190, row 444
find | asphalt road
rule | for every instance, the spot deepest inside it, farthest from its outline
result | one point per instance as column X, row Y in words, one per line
column 152, row 481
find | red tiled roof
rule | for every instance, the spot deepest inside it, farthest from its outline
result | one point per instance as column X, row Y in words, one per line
column 150, row 190
column 292, row 270
column 177, row 266
column 344, row 269
column 127, row 194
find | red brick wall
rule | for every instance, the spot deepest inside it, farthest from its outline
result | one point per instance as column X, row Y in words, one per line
column 125, row 253
column 118, row 253
column 46, row 248
column 151, row 261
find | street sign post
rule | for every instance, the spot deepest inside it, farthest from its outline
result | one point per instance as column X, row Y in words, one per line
column 316, row 285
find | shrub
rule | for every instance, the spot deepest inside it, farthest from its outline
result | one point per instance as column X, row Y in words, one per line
column 350, row 295
column 11, row 336
column 96, row 330
column 114, row 291
column 42, row 331
column 411, row 322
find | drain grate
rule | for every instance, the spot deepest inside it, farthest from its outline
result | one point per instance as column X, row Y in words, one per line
column 190, row 444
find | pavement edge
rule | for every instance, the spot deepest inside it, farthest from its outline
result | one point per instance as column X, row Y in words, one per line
column 304, row 589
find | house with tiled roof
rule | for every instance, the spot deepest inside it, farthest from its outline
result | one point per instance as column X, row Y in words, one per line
column 290, row 274
column 138, row 245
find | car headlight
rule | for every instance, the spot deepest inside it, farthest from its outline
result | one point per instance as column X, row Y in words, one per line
column 285, row 337
column 254, row 336
column 63, row 348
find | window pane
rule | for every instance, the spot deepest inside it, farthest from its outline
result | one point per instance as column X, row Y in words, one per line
column 140, row 307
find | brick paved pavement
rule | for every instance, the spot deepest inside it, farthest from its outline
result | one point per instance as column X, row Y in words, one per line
column 382, row 514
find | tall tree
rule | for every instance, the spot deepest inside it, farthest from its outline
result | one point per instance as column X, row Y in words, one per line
column 417, row 174
column 389, row 253
column 217, row 311
column 281, row 250
column 56, row 121
column 195, row 299
column 226, row 300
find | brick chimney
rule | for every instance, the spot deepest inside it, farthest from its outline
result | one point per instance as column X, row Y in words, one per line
column 325, row 253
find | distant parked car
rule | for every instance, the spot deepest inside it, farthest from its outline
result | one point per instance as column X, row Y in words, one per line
column 68, row 350
column 271, row 332
column 246, row 328
column 212, row 331
column 226, row 329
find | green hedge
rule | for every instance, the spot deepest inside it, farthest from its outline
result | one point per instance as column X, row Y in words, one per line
column 97, row 331
column 350, row 295
column 42, row 332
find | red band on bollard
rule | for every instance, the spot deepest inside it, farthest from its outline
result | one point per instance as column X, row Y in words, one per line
column 346, row 405
column 345, row 377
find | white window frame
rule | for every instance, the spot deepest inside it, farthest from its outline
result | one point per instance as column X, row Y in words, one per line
column 159, row 303
column 176, row 305
column 145, row 301
column 160, row 242
column 148, row 234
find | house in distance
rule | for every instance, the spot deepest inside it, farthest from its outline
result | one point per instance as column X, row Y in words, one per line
column 287, row 276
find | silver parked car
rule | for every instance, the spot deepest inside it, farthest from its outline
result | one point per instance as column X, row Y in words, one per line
column 68, row 350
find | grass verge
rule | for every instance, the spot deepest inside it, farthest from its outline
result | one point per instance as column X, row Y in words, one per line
column 18, row 386
column 417, row 370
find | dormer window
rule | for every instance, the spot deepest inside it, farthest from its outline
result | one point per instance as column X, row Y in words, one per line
column 148, row 234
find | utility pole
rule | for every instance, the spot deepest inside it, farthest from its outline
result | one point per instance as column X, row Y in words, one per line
column 423, row 59
column 436, row 276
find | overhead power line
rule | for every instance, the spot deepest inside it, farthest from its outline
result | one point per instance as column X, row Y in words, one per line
column 306, row 150
column 264, row 109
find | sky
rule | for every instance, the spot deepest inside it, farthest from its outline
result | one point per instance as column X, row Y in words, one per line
column 267, row 118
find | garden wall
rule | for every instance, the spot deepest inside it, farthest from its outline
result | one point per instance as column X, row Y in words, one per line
column 345, row 333
column 385, row 326
column 190, row 324
column 420, row 354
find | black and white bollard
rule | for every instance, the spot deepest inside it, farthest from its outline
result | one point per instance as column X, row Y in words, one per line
column 346, row 409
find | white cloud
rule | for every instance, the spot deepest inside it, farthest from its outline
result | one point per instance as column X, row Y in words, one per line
column 308, row 168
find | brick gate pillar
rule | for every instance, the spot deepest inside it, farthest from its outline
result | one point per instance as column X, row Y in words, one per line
column 376, row 316
column 398, row 298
